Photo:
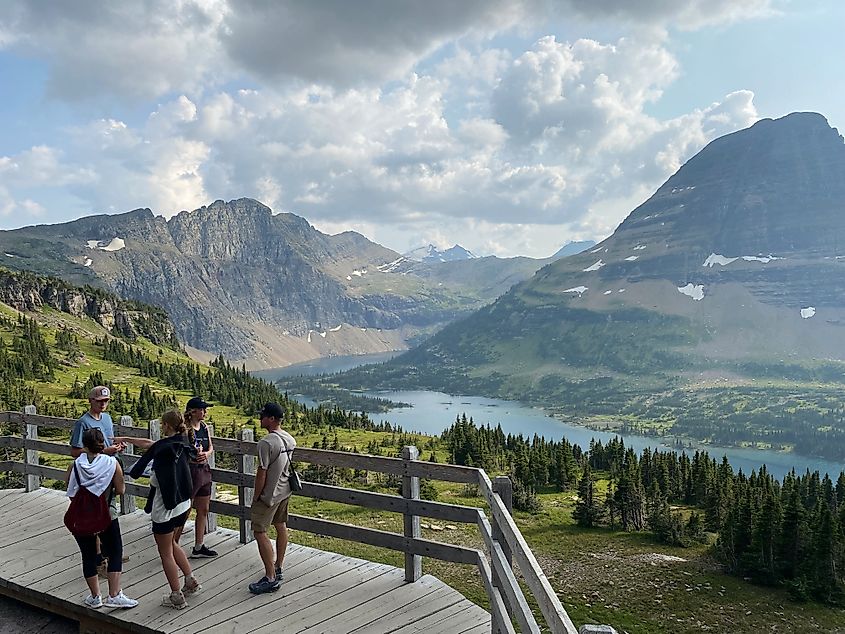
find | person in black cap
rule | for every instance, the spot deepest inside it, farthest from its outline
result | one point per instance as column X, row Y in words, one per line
column 195, row 412
column 272, row 492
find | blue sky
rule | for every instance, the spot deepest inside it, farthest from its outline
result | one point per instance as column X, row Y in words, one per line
column 510, row 127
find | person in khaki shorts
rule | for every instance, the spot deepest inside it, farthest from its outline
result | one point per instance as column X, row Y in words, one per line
column 272, row 491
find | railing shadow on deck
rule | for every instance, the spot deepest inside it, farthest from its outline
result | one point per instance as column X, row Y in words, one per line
column 504, row 544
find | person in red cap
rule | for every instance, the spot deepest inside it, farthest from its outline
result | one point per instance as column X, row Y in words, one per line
column 272, row 491
column 195, row 412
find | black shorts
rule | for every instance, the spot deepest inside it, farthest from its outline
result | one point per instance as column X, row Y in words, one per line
column 162, row 528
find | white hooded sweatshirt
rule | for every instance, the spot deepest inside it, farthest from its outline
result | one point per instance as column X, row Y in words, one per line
column 96, row 475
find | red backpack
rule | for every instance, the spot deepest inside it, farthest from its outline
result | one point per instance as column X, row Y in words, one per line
column 88, row 514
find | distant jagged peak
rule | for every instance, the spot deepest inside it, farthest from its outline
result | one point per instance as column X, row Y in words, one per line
column 430, row 253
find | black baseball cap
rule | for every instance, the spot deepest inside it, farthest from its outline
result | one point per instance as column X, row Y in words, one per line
column 197, row 403
column 273, row 410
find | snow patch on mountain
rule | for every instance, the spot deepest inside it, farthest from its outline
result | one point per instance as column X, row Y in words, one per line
column 115, row 244
column 594, row 267
column 696, row 291
column 715, row 258
column 577, row 289
column 722, row 260
column 808, row 312
column 390, row 266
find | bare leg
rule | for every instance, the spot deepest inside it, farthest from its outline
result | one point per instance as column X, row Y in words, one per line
column 268, row 557
column 114, row 583
column 201, row 520
column 281, row 543
column 180, row 557
column 164, row 543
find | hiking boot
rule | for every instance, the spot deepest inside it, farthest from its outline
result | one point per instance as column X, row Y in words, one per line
column 119, row 600
column 264, row 585
column 192, row 586
column 174, row 600
column 93, row 602
column 202, row 551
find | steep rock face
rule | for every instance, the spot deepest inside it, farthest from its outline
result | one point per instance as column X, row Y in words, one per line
column 736, row 261
column 262, row 288
column 28, row 292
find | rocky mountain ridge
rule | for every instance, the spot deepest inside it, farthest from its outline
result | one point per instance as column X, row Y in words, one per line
column 262, row 288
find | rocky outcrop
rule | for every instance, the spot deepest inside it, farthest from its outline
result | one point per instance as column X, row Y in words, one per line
column 28, row 292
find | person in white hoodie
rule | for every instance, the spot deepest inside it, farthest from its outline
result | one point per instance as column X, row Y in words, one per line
column 100, row 473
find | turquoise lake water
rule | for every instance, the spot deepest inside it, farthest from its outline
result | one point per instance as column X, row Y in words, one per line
column 432, row 412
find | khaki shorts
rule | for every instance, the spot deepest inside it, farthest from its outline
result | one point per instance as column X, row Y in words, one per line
column 262, row 515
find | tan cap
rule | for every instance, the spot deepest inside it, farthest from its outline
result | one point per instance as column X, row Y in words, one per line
column 99, row 393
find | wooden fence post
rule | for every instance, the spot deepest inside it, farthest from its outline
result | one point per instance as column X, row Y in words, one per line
column 31, row 482
column 411, row 491
column 503, row 487
column 246, row 464
column 127, row 501
column 211, row 526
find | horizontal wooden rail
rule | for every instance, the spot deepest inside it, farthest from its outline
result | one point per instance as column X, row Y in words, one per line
column 384, row 539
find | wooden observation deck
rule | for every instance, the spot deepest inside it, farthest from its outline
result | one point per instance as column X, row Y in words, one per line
column 322, row 592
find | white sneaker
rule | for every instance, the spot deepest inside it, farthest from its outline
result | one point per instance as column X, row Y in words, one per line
column 119, row 600
column 93, row 602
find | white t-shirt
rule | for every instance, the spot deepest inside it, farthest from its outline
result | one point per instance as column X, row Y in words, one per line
column 160, row 512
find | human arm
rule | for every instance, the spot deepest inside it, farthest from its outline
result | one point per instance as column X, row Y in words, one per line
column 76, row 448
column 141, row 443
column 260, row 481
column 137, row 469
column 113, row 449
column 118, row 481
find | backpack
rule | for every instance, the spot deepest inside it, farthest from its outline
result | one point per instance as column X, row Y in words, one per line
column 88, row 514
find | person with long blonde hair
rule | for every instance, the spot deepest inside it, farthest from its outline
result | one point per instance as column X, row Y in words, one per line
column 171, row 487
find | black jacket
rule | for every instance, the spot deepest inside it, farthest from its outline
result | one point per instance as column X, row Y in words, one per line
column 170, row 464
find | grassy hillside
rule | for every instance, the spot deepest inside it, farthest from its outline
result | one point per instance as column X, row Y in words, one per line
column 629, row 580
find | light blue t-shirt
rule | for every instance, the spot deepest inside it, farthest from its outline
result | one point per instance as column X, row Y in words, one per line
column 86, row 421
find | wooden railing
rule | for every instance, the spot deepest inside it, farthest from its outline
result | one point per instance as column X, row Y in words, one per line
column 503, row 542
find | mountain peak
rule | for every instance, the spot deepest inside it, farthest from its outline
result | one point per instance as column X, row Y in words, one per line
column 430, row 253
column 775, row 187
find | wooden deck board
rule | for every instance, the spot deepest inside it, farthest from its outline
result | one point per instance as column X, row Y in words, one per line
column 392, row 602
column 322, row 592
column 248, row 611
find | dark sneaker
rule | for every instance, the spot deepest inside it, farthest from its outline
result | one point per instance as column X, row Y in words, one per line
column 202, row 551
column 279, row 576
column 264, row 585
